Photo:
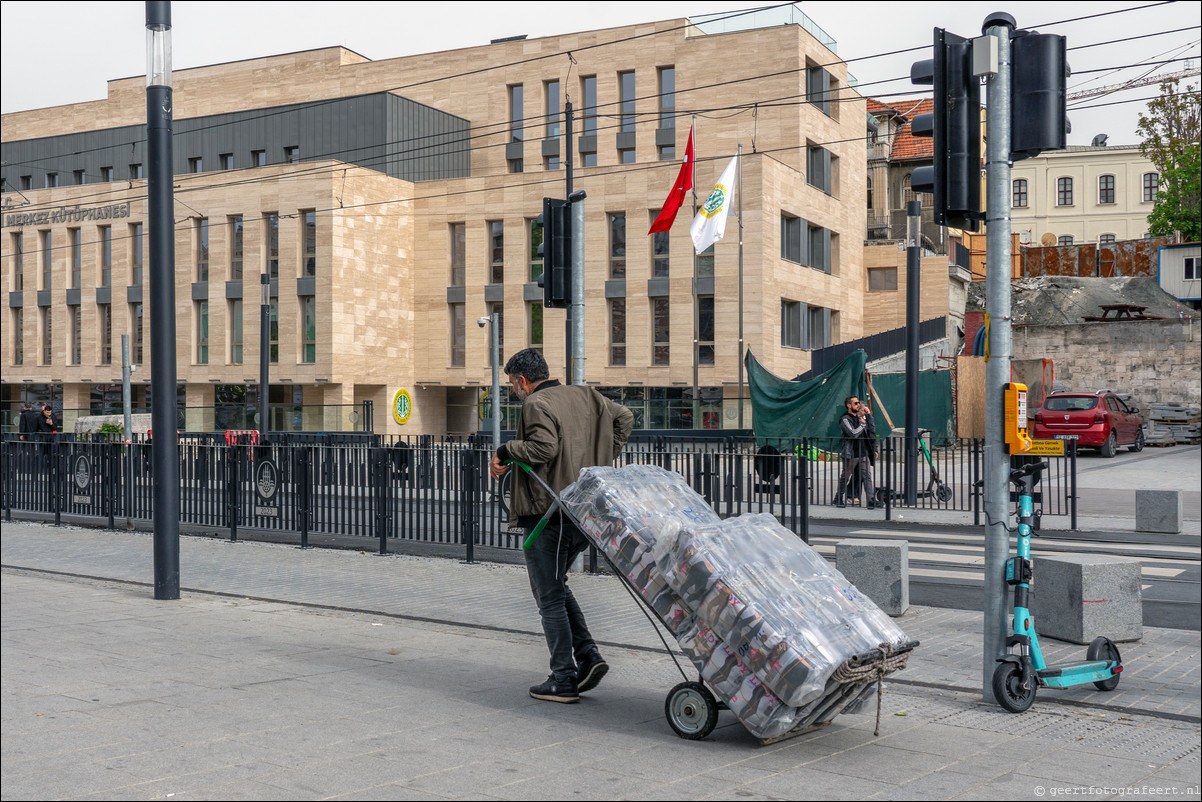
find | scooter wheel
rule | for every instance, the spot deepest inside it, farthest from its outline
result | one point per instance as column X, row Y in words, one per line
column 943, row 493
column 1104, row 649
column 1008, row 688
column 691, row 710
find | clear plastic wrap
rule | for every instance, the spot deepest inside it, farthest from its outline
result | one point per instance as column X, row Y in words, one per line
column 765, row 619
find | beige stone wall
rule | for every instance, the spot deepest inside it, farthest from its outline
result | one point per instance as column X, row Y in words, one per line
column 885, row 310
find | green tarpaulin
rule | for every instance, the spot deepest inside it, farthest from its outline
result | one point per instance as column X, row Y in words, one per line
column 783, row 409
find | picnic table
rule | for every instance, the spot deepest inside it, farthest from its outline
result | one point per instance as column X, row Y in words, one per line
column 1121, row 312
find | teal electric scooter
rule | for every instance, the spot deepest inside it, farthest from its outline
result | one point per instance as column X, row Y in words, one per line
column 1023, row 670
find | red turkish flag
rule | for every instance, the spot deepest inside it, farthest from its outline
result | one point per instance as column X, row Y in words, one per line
column 675, row 199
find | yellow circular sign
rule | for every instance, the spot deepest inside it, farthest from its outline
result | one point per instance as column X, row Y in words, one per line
column 402, row 406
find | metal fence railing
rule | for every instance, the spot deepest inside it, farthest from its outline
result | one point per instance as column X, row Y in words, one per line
column 438, row 490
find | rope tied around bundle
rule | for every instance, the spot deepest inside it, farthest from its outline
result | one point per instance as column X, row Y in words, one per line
column 876, row 669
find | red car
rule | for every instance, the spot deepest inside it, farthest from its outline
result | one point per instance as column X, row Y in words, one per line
column 1094, row 420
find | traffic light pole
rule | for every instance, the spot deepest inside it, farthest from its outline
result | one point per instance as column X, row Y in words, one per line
column 997, row 369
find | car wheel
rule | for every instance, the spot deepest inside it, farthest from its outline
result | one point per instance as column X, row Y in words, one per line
column 1111, row 446
column 1138, row 446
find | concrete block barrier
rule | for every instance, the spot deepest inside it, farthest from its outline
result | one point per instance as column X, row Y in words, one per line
column 1158, row 511
column 1077, row 597
column 880, row 569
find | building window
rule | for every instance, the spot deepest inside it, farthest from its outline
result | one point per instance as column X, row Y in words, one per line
column 818, row 168
column 18, row 336
column 202, row 249
column 661, row 245
column 1106, row 239
column 76, row 259
column 202, row 332
column 105, row 312
column 235, row 312
column 226, row 161
column 292, row 154
column 535, row 317
column 309, row 330
column 18, row 241
column 536, row 240
column 705, row 263
column 73, row 318
column 195, row 165
column 47, row 336
column 617, row 245
column 1018, row 193
column 517, row 130
column 236, row 247
column 273, row 329
column 705, row 330
column 818, row 89
column 135, row 171
column 81, row 177
column 1105, row 189
column 496, row 252
column 1191, row 267
column 1064, row 192
column 458, row 234
column 661, row 328
column 258, row 158
column 882, row 279
column 136, row 346
column 498, row 308
column 135, row 234
column 1067, row 239
column 26, row 182
column 272, row 221
column 667, row 108
column 588, row 91
column 820, row 249
column 106, row 256
column 309, row 243
column 551, row 94
column 458, row 335
column 627, row 119
column 51, row 180
column 790, row 238
column 617, row 332
column 1151, row 187
column 819, row 327
column 47, row 253
column 790, row 324
column 106, row 174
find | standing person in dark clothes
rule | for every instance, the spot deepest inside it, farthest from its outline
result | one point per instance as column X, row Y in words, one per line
column 29, row 421
column 48, row 424
column 561, row 430
column 859, row 450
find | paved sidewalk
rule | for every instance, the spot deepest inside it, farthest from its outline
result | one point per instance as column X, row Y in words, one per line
column 284, row 674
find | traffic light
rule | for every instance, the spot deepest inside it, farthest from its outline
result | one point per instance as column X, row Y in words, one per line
column 954, row 177
column 556, row 252
column 1038, row 111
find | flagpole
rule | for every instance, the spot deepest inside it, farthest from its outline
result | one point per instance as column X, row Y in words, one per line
column 696, row 404
column 740, row 194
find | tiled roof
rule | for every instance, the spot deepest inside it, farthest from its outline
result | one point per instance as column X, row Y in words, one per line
column 906, row 145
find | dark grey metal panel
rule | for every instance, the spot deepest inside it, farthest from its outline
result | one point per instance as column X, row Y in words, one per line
column 16, row 300
column 658, row 288
column 514, row 150
column 665, row 137
column 494, row 293
column 306, row 285
column 133, row 295
column 274, row 292
column 44, row 298
column 73, row 297
column 615, row 288
column 551, row 147
column 705, row 285
column 457, row 294
column 200, row 291
column 588, row 144
column 233, row 290
column 625, row 140
column 532, row 292
column 104, row 295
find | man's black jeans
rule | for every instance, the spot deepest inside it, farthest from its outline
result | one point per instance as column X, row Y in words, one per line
column 547, row 562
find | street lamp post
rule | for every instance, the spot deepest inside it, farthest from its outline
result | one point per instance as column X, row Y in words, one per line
column 161, row 228
column 495, row 392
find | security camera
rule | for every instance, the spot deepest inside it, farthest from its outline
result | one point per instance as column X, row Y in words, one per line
column 481, row 322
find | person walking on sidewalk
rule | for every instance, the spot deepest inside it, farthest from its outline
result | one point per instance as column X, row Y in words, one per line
column 561, row 429
column 859, row 451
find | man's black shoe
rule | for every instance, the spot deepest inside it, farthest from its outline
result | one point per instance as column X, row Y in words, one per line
column 872, row 505
column 839, row 502
column 590, row 672
column 554, row 690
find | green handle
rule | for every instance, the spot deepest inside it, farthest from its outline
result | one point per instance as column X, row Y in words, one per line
column 542, row 524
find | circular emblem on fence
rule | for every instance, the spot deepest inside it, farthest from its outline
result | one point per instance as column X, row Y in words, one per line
column 83, row 473
column 266, row 481
column 402, row 406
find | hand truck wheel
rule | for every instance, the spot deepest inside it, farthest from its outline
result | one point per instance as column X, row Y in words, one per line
column 691, row 710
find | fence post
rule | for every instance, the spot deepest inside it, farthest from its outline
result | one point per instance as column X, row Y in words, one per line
column 1072, row 478
column 231, row 477
column 805, row 490
column 887, row 458
column 976, row 491
column 56, row 477
column 469, row 508
column 112, row 461
column 301, row 482
column 7, row 461
column 379, row 481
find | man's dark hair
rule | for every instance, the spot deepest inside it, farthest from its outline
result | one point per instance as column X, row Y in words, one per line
column 847, row 400
column 26, row 405
column 529, row 363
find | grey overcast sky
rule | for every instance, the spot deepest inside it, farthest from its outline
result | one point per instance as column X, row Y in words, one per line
column 56, row 53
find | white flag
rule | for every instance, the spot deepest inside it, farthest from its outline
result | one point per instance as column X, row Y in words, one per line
column 710, row 223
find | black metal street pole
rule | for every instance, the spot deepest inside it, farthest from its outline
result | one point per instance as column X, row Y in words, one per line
column 264, row 351
column 161, row 228
column 913, row 291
